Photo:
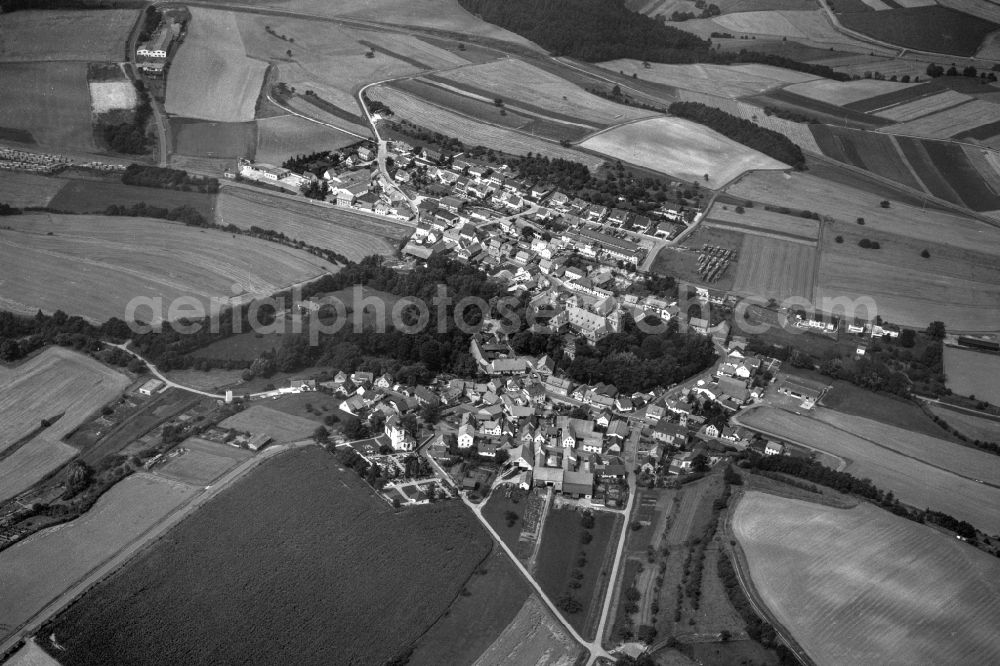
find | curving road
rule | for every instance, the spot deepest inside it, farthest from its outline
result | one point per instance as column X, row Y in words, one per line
column 163, row 378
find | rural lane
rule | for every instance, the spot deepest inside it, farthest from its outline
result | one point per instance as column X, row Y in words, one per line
column 159, row 375
column 119, row 559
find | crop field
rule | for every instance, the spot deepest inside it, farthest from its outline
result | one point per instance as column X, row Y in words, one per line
column 108, row 261
column 348, row 232
column 202, row 138
column 49, row 99
column 680, row 148
column 863, row 586
column 211, row 77
column 270, row 597
column 900, row 93
column 772, row 268
column 984, row 428
column 878, row 153
column 947, row 172
column 843, row 203
column 913, row 481
column 766, row 223
column 65, row 35
column 279, row 425
column 474, row 132
column 111, row 95
column 53, row 383
column 804, row 25
column 935, row 29
column 946, row 99
column 524, row 85
column 972, row 373
column 723, row 80
column 984, row 9
column 94, row 196
column 43, row 566
column 822, row 111
column 21, row 190
column 202, row 462
column 30, row 463
column 841, row 93
column 957, row 120
column 534, row 636
column 282, row 137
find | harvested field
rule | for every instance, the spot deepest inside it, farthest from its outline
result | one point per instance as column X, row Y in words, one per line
column 282, row 137
column 810, row 25
column 474, row 132
column 348, row 232
column 225, row 557
column 56, row 34
column 202, row 462
column 801, row 191
column 279, row 425
column 55, row 383
column 43, row 566
column 914, row 482
column 935, row 29
column 765, row 223
column 49, row 99
column 94, row 196
column 524, row 86
column 725, row 81
column 890, row 97
column 211, row 78
column 30, row 463
column 111, row 95
column 21, row 190
column 863, row 586
column 201, row 138
column 840, row 93
column 948, row 123
column 779, row 269
column 534, row 636
column 983, row 428
column 109, row 261
column 972, row 373
column 946, row 99
column 680, row 148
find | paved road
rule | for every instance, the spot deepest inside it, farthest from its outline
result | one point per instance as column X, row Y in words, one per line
column 117, row 560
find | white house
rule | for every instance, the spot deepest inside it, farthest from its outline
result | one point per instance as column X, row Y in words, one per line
column 466, row 436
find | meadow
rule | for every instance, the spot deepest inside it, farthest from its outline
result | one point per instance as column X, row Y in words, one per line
column 972, row 373
column 43, row 566
column 864, row 586
column 109, row 261
column 51, row 100
column 65, row 35
column 984, row 428
column 263, row 571
column 773, row 268
column 473, row 132
column 841, row 93
column 680, row 148
column 55, row 383
column 281, row 137
column 94, row 196
column 21, row 190
column 765, row 222
column 282, row 427
column 202, row 462
column 213, row 139
column 211, row 77
column 348, row 232
column 913, row 481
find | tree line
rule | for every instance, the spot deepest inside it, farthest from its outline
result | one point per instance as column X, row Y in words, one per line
column 599, row 30
column 769, row 142
column 168, row 179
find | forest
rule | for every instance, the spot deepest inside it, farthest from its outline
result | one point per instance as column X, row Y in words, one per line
column 769, row 142
column 599, row 30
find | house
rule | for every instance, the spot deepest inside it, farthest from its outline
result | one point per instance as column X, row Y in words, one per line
column 617, row 430
column 466, row 435
column 353, row 405
column 578, row 484
column 258, row 441
column 490, row 428
column 774, row 449
column 623, row 403
column 681, row 463
column 398, row 437
column 425, row 396
column 802, row 389
column 361, row 378
column 384, row 381
column 734, row 388
column 365, row 153
column 488, row 449
column 558, row 385
column 673, row 434
column 150, row 387
column 654, row 413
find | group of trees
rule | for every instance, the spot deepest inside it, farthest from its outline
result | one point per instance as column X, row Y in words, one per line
column 168, row 179
column 600, row 30
column 127, row 134
column 20, row 335
column 185, row 214
column 935, row 70
column 769, row 142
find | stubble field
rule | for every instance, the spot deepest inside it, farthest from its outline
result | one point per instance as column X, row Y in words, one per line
column 723, row 80
column 532, row 637
column 946, row 99
column 30, row 463
column 912, row 481
column 946, row 124
column 95, row 265
column 57, row 34
column 211, row 78
column 680, row 148
column 111, row 95
column 773, row 268
column 264, row 572
column 42, row 567
column 846, row 92
column 863, row 586
column 347, row 232
column 765, row 222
